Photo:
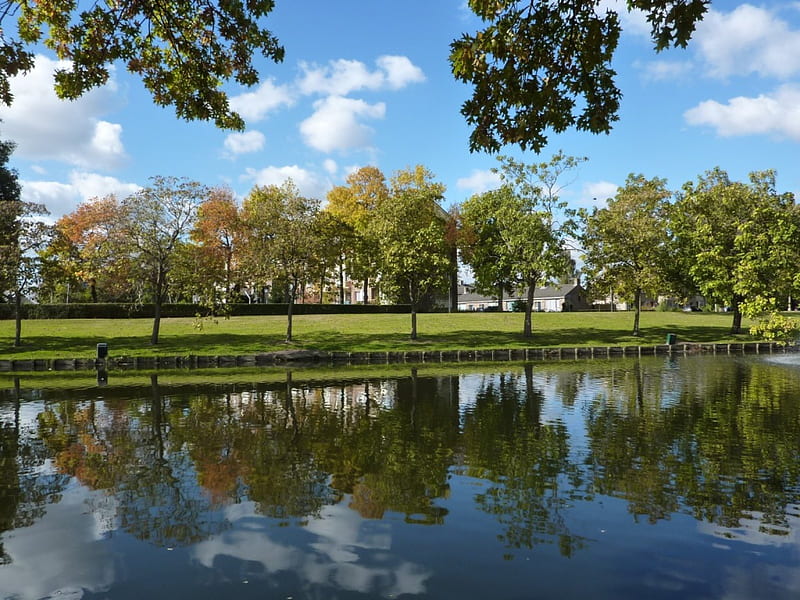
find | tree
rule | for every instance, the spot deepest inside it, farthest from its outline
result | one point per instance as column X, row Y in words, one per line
column 155, row 220
column 21, row 236
column 280, row 237
column 355, row 204
column 545, row 65
column 83, row 251
column 481, row 243
column 183, row 50
column 336, row 239
column 414, row 256
column 217, row 232
column 20, row 260
column 626, row 244
column 740, row 238
column 10, row 210
column 534, row 223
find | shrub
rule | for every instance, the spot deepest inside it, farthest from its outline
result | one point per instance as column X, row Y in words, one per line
column 776, row 327
column 128, row 311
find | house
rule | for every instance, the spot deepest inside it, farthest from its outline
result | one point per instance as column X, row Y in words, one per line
column 559, row 298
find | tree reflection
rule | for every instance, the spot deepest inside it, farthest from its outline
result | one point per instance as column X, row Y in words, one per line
column 527, row 462
column 24, row 489
column 725, row 449
column 124, row 450
column 719, row 440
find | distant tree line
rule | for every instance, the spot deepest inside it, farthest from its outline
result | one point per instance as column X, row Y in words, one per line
column 735, row 243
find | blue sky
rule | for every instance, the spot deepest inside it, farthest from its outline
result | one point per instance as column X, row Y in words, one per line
column 367, row 82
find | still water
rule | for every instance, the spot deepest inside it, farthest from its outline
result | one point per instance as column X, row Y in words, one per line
column 655, row 478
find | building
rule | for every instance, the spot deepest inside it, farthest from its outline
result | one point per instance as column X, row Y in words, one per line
column 559, row 298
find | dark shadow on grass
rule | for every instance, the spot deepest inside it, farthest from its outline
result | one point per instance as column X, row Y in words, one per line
column 207, row 343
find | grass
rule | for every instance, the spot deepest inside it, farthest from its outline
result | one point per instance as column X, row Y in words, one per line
column 78, row 338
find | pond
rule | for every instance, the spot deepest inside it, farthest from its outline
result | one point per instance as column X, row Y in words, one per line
column 657, row 478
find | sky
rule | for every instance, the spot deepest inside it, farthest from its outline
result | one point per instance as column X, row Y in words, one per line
column 369, row 83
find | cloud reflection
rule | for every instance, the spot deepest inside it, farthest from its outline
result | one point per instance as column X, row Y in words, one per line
column 61, row 553
column 345, row 552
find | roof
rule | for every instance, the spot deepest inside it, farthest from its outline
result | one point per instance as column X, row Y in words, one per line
column 540, row 293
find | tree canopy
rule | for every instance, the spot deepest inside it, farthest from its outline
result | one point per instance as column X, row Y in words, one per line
column 542, row 65
column 626, row 244
column 537, row 65
column 183, row 50
column 741, row 240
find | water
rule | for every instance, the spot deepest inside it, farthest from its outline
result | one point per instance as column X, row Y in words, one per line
column 657, row 478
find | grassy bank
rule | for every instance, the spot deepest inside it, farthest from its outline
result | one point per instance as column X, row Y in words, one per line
column 78, row 338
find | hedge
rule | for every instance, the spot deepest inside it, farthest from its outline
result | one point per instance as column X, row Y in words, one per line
column 128, row 311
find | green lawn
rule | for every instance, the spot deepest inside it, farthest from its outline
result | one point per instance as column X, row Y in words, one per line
column 78, row 338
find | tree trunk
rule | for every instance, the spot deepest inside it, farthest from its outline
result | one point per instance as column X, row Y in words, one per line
column 366, row 290
column 413, row 320
column 454, row 279
column 736, row 327
column 532, row 399
column 321, row 288
column 500, row 297
column 157, row 415
column 17, row 318
column 527, row 329
column 637, row 300
column 290, row 312
column 93, row 288
column 157, row 310
column 341, row 282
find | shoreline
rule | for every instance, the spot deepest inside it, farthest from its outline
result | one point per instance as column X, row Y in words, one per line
column 312, row 358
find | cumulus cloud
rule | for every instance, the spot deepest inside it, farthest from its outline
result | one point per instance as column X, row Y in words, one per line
column 479, row 181
column 341, row 77
column 45, row 127
column 596, row 193
column 777, row 113
column 62, row 198
column 309, row 184
column 267, row 97
column 665, row 70
column 330, row 166
column 400, row 71
column 244, row 143
column 633, row 21
column 748, row 40
column 335, row 123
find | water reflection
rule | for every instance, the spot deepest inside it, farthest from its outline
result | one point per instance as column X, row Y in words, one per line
column 521, row 476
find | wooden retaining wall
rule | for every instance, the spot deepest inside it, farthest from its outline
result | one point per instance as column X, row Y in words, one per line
column 310, row 358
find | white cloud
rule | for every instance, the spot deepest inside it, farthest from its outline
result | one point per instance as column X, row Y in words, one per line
column 309, row 184
column 777, row 113
column 254, row 106
column 330, row 166
column 45, row 127
column 335, row 126
column 596, row 193
column 92, row 185
column 634, row 21
column 244, row 143
column 62, row 198
column 665, row 70
column 479, row 181
column 748, row 40
column 340, row 77
column 400, row 71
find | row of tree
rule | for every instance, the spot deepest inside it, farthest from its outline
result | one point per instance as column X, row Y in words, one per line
column 738, row 244
column 181, row 241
